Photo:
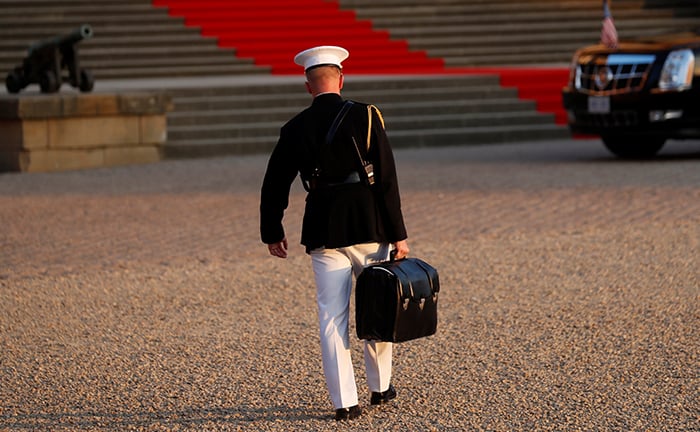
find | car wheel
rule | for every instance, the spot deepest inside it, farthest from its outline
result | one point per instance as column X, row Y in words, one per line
column 628, row 147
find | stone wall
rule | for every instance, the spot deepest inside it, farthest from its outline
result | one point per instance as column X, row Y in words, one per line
column 56, row 132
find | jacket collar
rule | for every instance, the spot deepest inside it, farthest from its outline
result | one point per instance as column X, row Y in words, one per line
column 327, row 98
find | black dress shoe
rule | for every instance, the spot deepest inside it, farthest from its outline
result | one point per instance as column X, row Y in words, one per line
column 348, row 413
column 379, row 398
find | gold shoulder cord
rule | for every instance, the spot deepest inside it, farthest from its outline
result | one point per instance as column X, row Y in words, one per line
column 369, row 121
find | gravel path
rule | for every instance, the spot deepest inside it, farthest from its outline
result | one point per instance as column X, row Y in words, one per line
column 140, row 298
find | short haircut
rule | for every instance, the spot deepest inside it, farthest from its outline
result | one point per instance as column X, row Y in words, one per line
column 323, row 71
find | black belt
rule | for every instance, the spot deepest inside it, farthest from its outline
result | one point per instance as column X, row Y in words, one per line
column 354, row 177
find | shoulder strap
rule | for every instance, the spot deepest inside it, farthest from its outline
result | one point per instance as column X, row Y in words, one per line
column 329, row 136
column 338, row 120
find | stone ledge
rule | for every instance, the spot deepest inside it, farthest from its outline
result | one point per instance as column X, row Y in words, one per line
column 41, row 106
column 73, row 131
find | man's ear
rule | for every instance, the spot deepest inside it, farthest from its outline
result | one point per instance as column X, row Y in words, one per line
column 340, row 83
column 308, row 88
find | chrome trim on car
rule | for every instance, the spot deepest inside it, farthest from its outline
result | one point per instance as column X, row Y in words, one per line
column 614, row 74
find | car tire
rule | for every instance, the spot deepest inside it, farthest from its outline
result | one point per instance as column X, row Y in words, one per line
column 627, row 147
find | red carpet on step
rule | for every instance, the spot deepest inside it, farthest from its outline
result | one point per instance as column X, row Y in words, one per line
column 271, row 32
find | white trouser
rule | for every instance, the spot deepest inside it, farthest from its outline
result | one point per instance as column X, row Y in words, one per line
column 333, row 269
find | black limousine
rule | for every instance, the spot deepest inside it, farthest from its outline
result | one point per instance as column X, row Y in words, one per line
column 636, row 96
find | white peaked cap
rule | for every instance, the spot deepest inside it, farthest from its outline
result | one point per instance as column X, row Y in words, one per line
column 321, row 55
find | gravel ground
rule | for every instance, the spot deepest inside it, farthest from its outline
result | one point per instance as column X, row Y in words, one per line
column 140, row 298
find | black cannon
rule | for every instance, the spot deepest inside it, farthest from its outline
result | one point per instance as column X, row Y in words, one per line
column 46, row 60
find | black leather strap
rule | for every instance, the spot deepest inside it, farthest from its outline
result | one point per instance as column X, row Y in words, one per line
column 308, row 185
column 338, row 120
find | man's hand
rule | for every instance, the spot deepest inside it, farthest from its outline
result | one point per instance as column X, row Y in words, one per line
column 278, row 249
column 401, row 248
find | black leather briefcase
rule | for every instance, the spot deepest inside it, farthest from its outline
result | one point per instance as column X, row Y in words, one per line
column 396, row 301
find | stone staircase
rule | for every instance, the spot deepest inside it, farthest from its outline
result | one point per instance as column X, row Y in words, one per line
column 419, row 111
column 137, row 42
column 132, row 39
column 508, row 32
column 687, row 8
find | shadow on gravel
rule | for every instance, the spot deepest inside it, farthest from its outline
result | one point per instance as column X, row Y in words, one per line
column 219, row 418
column 243, row 174
column 667, row 157
column 545, row 152
column 673, row 151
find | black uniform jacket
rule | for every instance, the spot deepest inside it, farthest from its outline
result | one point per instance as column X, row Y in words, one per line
column 338, row 215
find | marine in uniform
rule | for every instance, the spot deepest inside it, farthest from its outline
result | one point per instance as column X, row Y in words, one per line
column 352, row 216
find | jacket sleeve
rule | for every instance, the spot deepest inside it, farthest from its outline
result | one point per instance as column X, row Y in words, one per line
column 389, row 200
column 274, row 197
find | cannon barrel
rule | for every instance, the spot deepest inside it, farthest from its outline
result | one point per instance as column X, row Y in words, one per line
column 82, row 32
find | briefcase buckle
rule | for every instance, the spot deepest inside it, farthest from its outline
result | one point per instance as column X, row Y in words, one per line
column 407, row 301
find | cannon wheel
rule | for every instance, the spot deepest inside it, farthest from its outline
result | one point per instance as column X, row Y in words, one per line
column 49, row 82
column 87, row 81
column 14, row 82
